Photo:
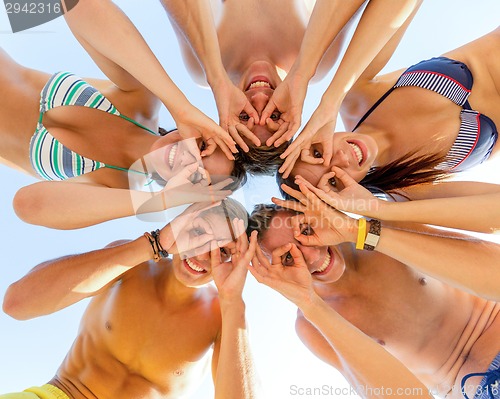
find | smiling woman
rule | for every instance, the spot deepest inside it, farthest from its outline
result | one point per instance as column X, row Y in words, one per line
column 35, row 348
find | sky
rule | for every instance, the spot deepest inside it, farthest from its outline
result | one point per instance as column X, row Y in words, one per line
column 31, row 351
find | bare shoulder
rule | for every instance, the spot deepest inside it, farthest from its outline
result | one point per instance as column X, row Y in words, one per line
column 485, row 49
column 315, row 341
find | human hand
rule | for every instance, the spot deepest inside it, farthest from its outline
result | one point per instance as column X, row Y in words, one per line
column 192, row 184
column 188, row 234
column 318, row 224
column 346, row 195
column 288, row 98
column 229, row 277
column 193, row 123
column 231, row 104
column 319, row 129
column 287, row 273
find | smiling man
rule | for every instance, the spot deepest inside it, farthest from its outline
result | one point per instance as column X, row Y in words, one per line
column 151, row 328
column 417, row 295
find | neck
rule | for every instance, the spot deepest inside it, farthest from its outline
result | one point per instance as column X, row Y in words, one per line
column 174, row 292
column 385, row 143
column 137, row 145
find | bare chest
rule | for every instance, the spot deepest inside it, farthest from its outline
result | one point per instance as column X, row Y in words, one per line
column 417, row 119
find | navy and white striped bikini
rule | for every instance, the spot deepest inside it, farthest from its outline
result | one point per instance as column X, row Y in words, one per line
column 51, row 159
column 452, row 79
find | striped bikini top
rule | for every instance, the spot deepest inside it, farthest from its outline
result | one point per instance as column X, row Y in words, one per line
column 51, row 159
column 452, row 79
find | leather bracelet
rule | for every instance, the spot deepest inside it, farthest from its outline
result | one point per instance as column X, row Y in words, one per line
column 373, row 235
column 154, row 241
column 161, row 252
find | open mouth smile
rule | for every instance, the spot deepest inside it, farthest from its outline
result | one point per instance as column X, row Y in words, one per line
column 358, row 150
column 193, row 267
column 259, row 81
column 326, row 265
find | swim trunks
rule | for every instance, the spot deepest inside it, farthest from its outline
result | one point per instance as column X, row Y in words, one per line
column 452, row 79
column 46, row 391
column 51, row 159
column 489, row 388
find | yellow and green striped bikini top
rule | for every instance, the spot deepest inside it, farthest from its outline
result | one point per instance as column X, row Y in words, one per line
column 51, row 159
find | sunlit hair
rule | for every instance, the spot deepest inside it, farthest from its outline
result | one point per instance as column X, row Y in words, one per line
column 263, row 160
column 238, row 173
column 229, row 209
column 406, row 171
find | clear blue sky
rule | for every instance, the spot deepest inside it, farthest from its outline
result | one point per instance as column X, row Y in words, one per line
column 32, row 350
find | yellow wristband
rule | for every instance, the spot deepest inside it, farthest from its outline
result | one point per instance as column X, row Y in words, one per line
column 360, row 242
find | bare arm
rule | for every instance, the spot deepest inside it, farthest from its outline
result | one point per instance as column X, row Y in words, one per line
column 56, row 284
column 194, row 20
column 232, row 362
column 110, row 46
column 464, row 262
column 382, row 22
column 71, row 205
column 470, row 206
column 366, row 365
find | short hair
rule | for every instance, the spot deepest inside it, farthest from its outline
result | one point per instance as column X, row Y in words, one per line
column 406, row 171
column 263, row 160
column 261, row 218
column 230, row 209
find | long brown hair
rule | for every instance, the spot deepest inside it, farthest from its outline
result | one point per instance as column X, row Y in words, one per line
column 406, row 171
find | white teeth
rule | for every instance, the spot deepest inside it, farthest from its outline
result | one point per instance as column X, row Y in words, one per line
column 358, row 152
column 171, row 155
column 325, row 264
column 193, row 266
column 259, row 83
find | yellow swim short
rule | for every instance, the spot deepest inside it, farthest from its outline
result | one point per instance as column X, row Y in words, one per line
column 46, row 391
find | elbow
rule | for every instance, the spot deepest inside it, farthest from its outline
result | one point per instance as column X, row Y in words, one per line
column 14, row 305
column 28, row 205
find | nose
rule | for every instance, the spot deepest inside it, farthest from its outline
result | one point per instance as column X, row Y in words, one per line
column 340, row 159
column 311, row 254
column 259, row 101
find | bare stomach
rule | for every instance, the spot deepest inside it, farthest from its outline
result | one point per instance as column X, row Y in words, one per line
column 478, row 345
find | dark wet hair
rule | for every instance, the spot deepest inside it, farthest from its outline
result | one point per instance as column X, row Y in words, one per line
column 238, row 173
column 406, row 171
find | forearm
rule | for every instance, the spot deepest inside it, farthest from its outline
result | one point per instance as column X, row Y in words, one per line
column 194, row 20
column 56, row 284
column 235, row 372
column 326, row 21
column 469, row 264
column 367, row 366
column 64, row 205
column 114, row 38
column 379, row 23
column 479, row 213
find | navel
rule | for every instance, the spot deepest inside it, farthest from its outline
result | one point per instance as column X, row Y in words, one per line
column 108, row 326
column 178, row 372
